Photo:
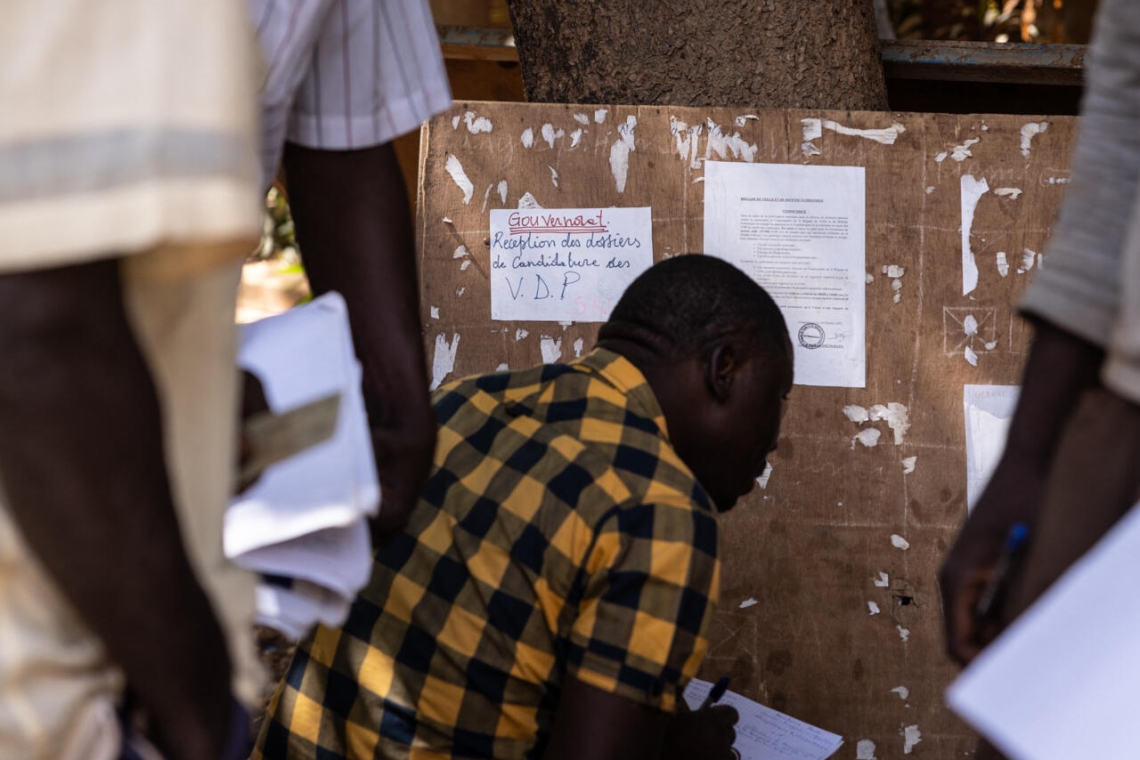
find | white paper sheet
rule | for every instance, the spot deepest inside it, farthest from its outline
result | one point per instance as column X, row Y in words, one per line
column 988, row 411
column 306, row 518
column 767, row 734
column 1064, row 681
column 566, row 265
column 799, row 231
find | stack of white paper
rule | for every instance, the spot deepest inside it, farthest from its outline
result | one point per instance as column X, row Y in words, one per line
column 305, row 520
column 767, row 734
column 1064, row 681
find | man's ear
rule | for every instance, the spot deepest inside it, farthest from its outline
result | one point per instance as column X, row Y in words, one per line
column 720, row 368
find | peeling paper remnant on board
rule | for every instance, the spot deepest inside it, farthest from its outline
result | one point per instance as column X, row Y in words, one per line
column 902, row 691
column 520, row 334
column 578, row 346
column 503, row 190
column 972, row 191
column 883, row 580
column 550, row 135
column 813, row 129
column 477, row 124
column 869, row 438
column 762, row 481
column 899, row 542
column 908, row 465
column 582, row 119
column 959, row 152
column 553, row 176
column 971, row 356
column 873, row 608
column 527, row 137
column 810, row 150
column 435, row 312
column 911, row 736
column 857, row 413
column 455, row 169
column 527, row 201
column 897, row 417
column 503, row 367
column 620, row 150
column 1028, row 259
column 865, row 750
column 749, row 602
column 551, row 349
column 1002, row 264
column 600, row 115
column 722, row 144
column 904, row 633
column 1013, row 193
column 743, row 120
column 1028, row 132
column 443, row 360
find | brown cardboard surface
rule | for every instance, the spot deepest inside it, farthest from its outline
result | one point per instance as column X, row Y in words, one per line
column 809, row 547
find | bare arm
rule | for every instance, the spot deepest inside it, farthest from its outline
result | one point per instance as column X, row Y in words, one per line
column 82, row 464
column 602, row 726
column 1061, row 367
column 355, row 232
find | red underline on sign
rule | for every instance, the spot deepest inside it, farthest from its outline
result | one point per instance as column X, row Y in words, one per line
column 571, row 230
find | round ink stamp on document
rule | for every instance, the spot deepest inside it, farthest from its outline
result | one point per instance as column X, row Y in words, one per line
column 812, row 336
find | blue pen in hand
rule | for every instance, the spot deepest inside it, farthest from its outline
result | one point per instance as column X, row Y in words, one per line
column 718, row 691
column 1011, row 553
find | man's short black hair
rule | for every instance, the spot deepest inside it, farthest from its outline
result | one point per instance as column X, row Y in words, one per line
column 683, row 306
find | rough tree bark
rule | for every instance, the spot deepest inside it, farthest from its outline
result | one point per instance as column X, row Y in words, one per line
column 747, row 53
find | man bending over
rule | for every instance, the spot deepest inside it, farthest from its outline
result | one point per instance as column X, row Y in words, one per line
column 552, row 593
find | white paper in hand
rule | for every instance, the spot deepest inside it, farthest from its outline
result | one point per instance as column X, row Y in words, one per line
column 305, row 520
column 1064, row 681
column 300, row 356
column 767, row 734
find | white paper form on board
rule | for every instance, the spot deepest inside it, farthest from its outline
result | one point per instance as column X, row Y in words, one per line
column 799, row 231
column 988, row 411
column 566, row 265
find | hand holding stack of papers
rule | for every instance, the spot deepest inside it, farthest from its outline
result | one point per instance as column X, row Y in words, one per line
column 303, row 524
column 1063, row 681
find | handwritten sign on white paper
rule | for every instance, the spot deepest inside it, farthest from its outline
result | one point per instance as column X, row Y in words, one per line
column 566, row 265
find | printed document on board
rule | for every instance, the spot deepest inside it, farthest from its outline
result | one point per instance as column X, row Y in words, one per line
column 799, row 231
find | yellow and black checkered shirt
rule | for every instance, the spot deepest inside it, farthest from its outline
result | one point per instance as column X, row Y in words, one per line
column 559, row 535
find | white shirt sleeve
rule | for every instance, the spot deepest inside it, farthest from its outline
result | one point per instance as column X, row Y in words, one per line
column 346, row 74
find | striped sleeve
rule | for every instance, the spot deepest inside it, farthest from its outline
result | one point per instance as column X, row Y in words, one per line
column 347, row 74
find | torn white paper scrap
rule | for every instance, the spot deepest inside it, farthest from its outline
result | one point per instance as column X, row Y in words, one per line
column 563, row 265
column 800, row 232
column 972, row 192
column 1063, row 681
column 988, row 410
column 455, row 169
column 766, row 734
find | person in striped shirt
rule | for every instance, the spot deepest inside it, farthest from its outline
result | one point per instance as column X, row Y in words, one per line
column 345, row 78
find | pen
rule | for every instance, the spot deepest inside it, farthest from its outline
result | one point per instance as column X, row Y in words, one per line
column 1014, row 545
column 717, row 692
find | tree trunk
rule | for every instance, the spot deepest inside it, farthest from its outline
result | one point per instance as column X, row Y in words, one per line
column 743, row 53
